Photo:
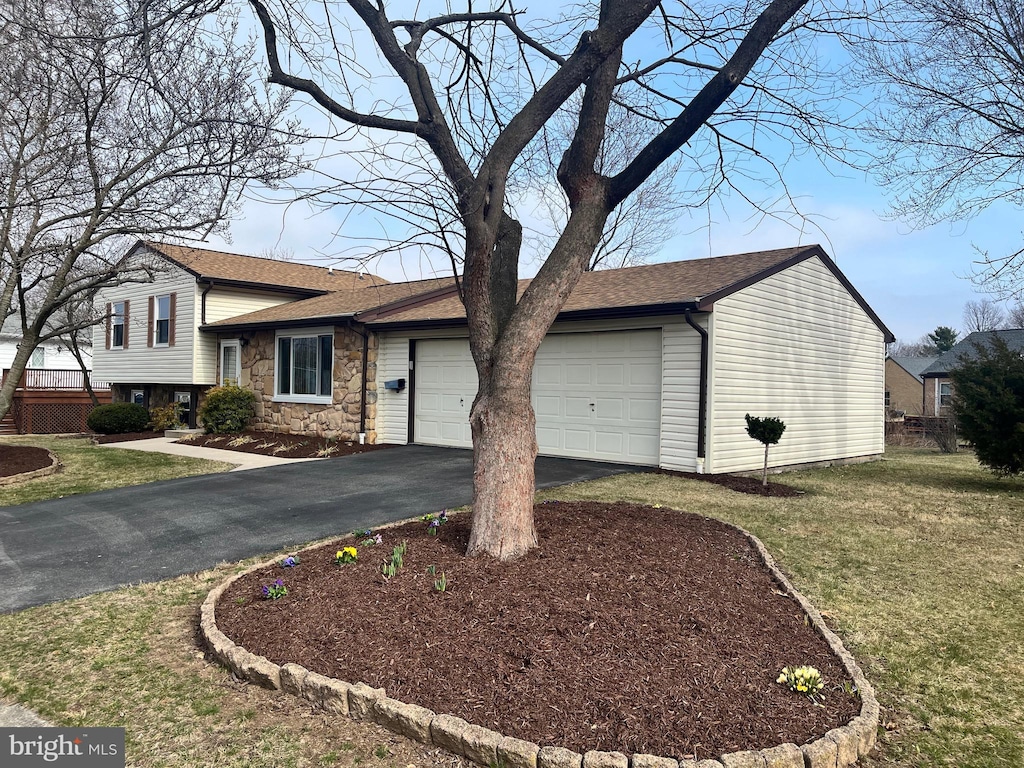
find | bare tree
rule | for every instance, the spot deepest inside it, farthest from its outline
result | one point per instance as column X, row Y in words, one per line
column 983, row 315
column 920, row 348
column 1015, row 315
column 468, row 93
column 641, row 224
column 115, row 124
column 951, row 116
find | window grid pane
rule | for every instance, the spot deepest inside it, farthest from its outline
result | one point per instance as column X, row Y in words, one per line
column 326, row 360
column 304, row 374
column 284, row 366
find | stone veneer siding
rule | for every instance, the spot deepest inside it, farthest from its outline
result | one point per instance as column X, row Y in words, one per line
column 340, row 419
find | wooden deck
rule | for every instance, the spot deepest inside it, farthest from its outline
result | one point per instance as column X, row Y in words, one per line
column 51, row 401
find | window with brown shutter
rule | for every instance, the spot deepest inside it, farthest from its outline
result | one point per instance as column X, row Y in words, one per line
column 126, row 323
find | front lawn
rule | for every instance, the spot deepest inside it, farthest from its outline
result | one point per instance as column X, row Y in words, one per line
column 88, row 468
column 916, row 560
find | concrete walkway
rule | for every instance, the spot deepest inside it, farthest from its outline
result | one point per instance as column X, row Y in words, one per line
column 16, row 716
column 169, row 445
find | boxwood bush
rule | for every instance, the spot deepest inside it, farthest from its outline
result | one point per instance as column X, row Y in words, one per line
column 118, row 418
column 227, row 409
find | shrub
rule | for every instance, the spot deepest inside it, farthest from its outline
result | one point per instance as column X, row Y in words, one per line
column 767, row 431
column 165, row 417
column 988, row 403
column 227, row 409
column 117, row 418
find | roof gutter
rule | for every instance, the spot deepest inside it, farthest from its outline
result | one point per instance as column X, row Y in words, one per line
column 206, row 290
column 702, row 416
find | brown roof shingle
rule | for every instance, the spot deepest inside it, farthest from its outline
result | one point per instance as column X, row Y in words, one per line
column 340, row 303
column 650, row 285
column 259, row 272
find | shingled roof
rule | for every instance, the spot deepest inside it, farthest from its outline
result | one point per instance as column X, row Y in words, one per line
column 665, row 287
column 339, row 304
column 1014, row 338
column 256, row 272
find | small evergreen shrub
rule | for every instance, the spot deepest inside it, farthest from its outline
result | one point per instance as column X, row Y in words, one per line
column 165, row 417
column 117, row 418
column 227, row 409
column 767, row 431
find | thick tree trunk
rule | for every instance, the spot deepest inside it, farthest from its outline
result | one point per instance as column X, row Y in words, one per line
column 504, row 452
column 18, row 366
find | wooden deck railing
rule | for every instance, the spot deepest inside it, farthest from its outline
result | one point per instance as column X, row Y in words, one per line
column 65, row 380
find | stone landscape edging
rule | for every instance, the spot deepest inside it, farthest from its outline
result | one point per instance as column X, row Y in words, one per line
column 54, row 468
column 838, row 748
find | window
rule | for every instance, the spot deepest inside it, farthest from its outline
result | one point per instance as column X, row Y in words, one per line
column 945, row 393
column 38, row 359
column 230, row 369
column 305, row 366
column 162, row 321
column 888, row 399
column 139, row 396
column 117, row 325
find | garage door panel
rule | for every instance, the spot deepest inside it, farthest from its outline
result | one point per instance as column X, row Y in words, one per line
column 595, row 395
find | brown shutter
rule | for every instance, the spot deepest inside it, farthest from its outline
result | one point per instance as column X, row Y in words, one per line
column 124, row 330
column 109, row 308
column 172, row 313
column 149, row 323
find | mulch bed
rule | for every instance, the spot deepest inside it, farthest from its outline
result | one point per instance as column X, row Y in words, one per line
column 281, row 445
column 630, row 628
column 17, row 459
column 738, row 483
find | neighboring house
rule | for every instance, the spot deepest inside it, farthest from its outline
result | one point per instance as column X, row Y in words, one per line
column 904, row 385
column 53, row 354
column 652, row 365
column 938, row 389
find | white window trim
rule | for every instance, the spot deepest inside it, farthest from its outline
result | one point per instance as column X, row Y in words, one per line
column 938, row 394
column 114, row 317
column 297, row 333
column 236, row 343
column 157, row 319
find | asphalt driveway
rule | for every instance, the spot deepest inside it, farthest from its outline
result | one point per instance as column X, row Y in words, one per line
column 65, row 548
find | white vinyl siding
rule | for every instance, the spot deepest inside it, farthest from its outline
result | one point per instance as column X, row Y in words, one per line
column 140, row 363
column 680, row 394
column 222, row 303
column 56, row 357
column 392, row 424
column 797, row 346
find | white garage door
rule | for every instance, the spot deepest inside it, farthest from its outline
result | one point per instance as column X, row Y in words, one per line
column 596, row 395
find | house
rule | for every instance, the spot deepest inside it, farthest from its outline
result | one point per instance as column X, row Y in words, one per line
column 938, row 389
column 52, row 354
column 652, row 365
column 904, row 385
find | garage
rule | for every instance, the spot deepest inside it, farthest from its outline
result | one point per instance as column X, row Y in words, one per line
column 596, row 395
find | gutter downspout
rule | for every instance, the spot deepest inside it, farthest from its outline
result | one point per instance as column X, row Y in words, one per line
column 206, row 290
column 703, row 397
column 362, row 389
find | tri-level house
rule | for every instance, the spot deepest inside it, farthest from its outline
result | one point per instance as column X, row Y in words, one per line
column 653, row 365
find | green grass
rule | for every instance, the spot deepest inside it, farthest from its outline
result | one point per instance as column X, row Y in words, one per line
column 916, row 560
column 88, row 468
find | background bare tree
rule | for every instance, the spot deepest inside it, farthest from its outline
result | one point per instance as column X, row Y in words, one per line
column 115, row 124
column 1015, row 315
column 466, row 94
column 983, row 315
column 951, row 116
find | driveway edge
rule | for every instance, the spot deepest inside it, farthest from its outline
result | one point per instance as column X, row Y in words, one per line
column 838, row 748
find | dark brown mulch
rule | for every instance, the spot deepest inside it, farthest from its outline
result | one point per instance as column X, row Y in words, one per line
column 738, row 483
column 630, row 628
column 125, row 437
column 17, row 459
column 282, row 445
